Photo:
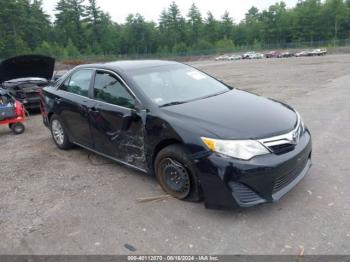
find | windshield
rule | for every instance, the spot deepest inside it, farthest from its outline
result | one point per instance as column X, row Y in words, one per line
column 168, row 85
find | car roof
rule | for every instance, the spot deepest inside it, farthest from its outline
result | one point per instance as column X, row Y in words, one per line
column 129, row 65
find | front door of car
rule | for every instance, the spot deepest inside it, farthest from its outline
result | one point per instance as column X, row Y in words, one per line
column 116, row 127
column 72, row 105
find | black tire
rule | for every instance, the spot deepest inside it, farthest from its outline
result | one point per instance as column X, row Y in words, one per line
column 10, row 126
column 59, row 134
column 173, row 163
column 17, row 128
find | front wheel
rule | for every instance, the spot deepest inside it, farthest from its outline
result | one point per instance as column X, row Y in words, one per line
column 176, row 174
column 59, row 134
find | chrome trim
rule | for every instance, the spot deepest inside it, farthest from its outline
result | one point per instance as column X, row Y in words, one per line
column 98, row 101
column 109, row 104
column 85, row 97
column 291, row 137
column 122, row 80
column 112, row 158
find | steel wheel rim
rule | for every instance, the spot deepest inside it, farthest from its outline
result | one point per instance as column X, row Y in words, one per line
column 57, row 132
column 175, row 177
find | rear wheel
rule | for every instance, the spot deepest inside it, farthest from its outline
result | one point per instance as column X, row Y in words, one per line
column 17, row 128
column 176, row 174
column 59, row 134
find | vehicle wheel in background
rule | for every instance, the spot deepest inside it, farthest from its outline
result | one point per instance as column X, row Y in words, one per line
column 17, row 128
column 176, row 174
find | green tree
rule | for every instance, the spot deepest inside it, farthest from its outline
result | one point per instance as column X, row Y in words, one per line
column 71, row 49
column 225, row 45
column 93, row 18
column 226, row 26
column 172, row 26
column 335, row 15
column 82, row 28
column 139, row 35
column 195, row 25
column 251, row 26
column 211, row 28
column 68, row 24
column 308, row 23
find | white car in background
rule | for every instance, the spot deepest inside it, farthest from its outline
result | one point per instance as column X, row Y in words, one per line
column 303, row 53
column 235, row 57
column 253, row 55
column 318, row 52
column 222, row 58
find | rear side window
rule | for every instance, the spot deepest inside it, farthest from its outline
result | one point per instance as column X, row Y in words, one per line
column 78, row 83
column 109, row 89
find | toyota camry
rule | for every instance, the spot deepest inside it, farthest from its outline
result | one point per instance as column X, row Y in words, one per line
column 202, row 139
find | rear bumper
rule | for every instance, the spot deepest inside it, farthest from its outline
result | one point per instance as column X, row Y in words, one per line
column 231, row 183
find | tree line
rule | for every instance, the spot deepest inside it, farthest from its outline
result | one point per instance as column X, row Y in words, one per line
column 80, row 27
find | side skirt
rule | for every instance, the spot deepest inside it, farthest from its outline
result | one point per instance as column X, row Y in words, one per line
column 112, row 158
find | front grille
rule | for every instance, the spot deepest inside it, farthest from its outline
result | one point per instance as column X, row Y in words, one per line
column 244, row 194
column 282, row 148
column 285, row 143
column 285, row 179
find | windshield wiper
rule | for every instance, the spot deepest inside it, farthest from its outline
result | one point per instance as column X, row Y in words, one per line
column 173, row 103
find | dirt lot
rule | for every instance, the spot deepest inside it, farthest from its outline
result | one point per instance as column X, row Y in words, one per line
column 54, row 202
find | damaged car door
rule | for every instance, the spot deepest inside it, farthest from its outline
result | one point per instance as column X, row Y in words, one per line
column 74, row 104
column 116, row 127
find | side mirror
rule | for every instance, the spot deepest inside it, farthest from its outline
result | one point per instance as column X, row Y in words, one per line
column 128, row 119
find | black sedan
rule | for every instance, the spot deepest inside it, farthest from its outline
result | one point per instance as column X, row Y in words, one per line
column 201, row 138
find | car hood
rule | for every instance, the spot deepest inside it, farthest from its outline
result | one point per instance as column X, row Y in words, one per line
column 236, row 115
column 27, row 66
column 3, row 92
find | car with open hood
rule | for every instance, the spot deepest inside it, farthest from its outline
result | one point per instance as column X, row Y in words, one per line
column 25, row 76
column 201, row 138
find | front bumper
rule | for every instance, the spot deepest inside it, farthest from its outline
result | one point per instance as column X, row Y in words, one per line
column 232, row 183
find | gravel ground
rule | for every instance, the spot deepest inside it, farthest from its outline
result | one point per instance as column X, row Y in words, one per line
column 55, row 202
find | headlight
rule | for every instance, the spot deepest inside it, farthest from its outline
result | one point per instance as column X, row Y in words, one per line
column 241, row 149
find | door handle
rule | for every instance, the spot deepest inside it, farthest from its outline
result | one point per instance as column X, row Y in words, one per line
column 58, row 100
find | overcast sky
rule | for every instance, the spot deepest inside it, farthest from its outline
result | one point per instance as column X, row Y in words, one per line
column 151, row 9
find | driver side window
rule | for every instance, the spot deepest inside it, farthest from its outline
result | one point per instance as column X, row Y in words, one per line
column 111, row 90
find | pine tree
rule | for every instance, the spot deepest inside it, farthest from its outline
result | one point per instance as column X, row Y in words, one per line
column 195, row 24
column 68, row 24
